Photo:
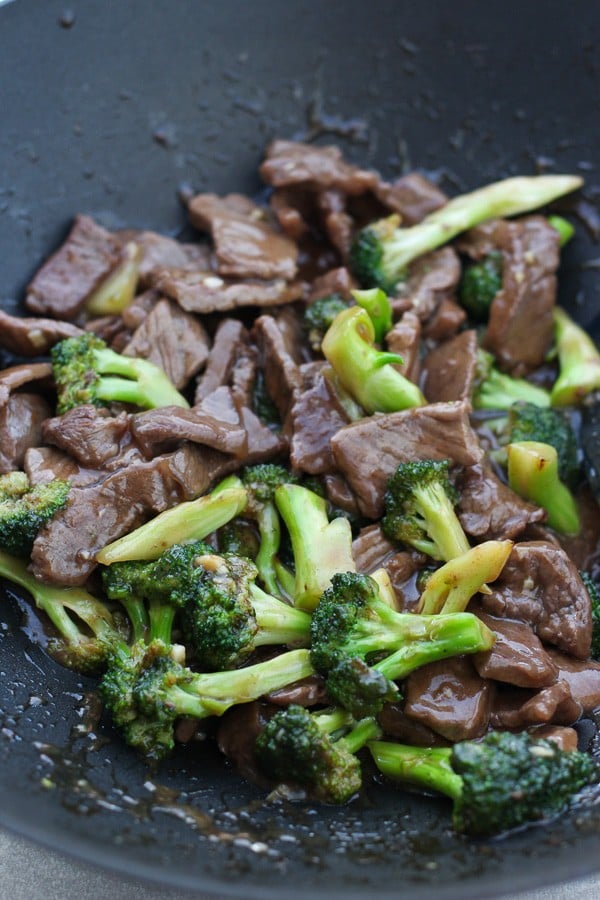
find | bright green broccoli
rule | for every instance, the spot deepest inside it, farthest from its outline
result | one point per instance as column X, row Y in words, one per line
column 449, row 588
column 528, row 422
column 579, row 362
column 419, row 509
column 320, row 548
column 316, row 751
column 496, row 390
column 479, row 284
column 24, row 508
column 352, row 627
column 319, row 316
column 366, row 373
column 594, row 593
column 381, row 251
column 379, row 309
column 533, row 475
column 564, row 228
column 499, row 783
column 146, row 690
column 87, row 371
column 86, row 629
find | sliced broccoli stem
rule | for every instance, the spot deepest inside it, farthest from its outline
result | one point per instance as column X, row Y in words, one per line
column 426, row 767
column 447, row 536
column 375, row 302
column 358, row 737
column 450, row 588
column 118, row 290
column 533, row 475
column 564, row 228
column 496, row 390
column 270, row 539
column 579, row 361
column 277, row 622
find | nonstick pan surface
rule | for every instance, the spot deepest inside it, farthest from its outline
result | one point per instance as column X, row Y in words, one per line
column 109, row 108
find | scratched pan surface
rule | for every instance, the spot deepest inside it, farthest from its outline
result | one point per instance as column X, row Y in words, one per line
column 107, row 108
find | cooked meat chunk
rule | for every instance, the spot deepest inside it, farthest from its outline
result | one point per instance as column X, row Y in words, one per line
column 403, row 728
column 18, row 376
column 307, row 692
column 430, row 279
column 404, row 338
column 450, row 698
column 518, row 709
column 91, row 436
column 449, row 369
column 336, row 281
column 263, row 443
column 245, row 243
column 315, row 416
column 33, row 336
column 412, row 196
column 562, row 735
column 318, row 168
column 204, row 292
column 371, row 549
column 338, row 493
column 368, row 451
column 517, row 656
column 280, row 362
column 173, row 339
column 583, row 678
column 540, row 585
column 158, row 250
column 489, row 510
column 520, row 327
column 237, row 733
column 446, row 321
column 66, row 280
column 43, row 464
column 337, row 223
column 21, row 419
column 229, row 337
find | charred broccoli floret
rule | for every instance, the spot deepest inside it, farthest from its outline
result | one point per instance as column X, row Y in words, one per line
column 579, row 362
column 501, row 782
column 419, row 509
column 24, row 508
column 87, row 371
column 319, row 316
column 496, row 390
column 533, row 475
column 479, row 284
column 146, row 690
column 381, row 251
column 353, row 627
column 316, row 751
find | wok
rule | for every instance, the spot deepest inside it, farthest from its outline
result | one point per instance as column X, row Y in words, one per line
column 109, row 107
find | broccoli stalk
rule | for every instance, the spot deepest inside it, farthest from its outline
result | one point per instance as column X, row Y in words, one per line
column 190, row 521
column 379, row 309
column 449, row 589
column 419, row 509
column 87, row 371
column 501, row 782
column 579, row 362
column 352, row 624
column 316, row 751
column 564, row 228
column 321, row 548
column 86, row 628
column 366, row 373
column 146, row 690
column 381, row 252
column 479, row 284
column 528, row 422
column 24, row 508
column 533, row 475
column 496, row 390
column 118, row 290
column 319, row 316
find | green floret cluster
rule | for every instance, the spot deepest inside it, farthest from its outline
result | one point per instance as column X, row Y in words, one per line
column 319, row 316
column 25, row 508
column 529, row 422
column 479, row 284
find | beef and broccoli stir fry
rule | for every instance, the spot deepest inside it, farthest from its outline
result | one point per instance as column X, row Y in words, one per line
column 315, row 483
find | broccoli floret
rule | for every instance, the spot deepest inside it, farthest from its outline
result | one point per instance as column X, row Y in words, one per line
column 528, row 422
column 419, row 509
column 87, row 371
column 594, row 592
column 316, row 751
column 533, row 475
column 366, row 373
column 240, row 537
column 449, row 589
column 579, row 362
column 376, row 304
column 186, row 522
column 146, row 690
column 86, row 628
column 24, row 508
column 319, row 316
column 501, row 782
column 320, row 547
column 352, row 626
column 381, row 252
column 479, row 284
column 496, row 390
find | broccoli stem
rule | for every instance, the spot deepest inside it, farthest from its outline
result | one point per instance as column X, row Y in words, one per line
column 450, row 588
column 447, row 538
column 277, row 622
column 190, row 521
column 496, row 390
column 118, row 290
column 533, row 475
column 379, row 309
column 143, row 383
column 579, row 361
column 564, row 228
column 358, row 737
column 426, row 767
column 270, row 538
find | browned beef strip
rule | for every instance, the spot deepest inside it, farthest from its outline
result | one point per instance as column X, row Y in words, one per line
column 245, row 243
column 158, row 250
column 540, row 585
column 371, row 549
column 43, row 464
column 142, row 304
column 404, row 338
column 336, row 281
column 173, row 339
column 66, row 280
column 263, row 444
column 517, row 656
column 431, row 278
column 562, row 735
column 315, row 416
column 17, row 376
column 243, row 374
column 337, row 223
column 204, row 292
column 412, row 196
column 398, row 725
column 229, row 336
column 110, row 329
column 520, row 327
column 449, row 369
column 237, row 733
column 583, row 678
column 450, row 698
column 338, row 492
column 319, row 168
column 279, row 359
column 292, row 207
column 91, row 436
column 447, row 319
column 368, row 451
column 21, row 419
column 307, row 692
column 402, row 568
column 33, row 336
column 517, row 709
column 95, row 515
column 489, row 510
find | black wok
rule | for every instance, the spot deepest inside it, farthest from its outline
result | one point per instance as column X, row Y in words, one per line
column 108, row 107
